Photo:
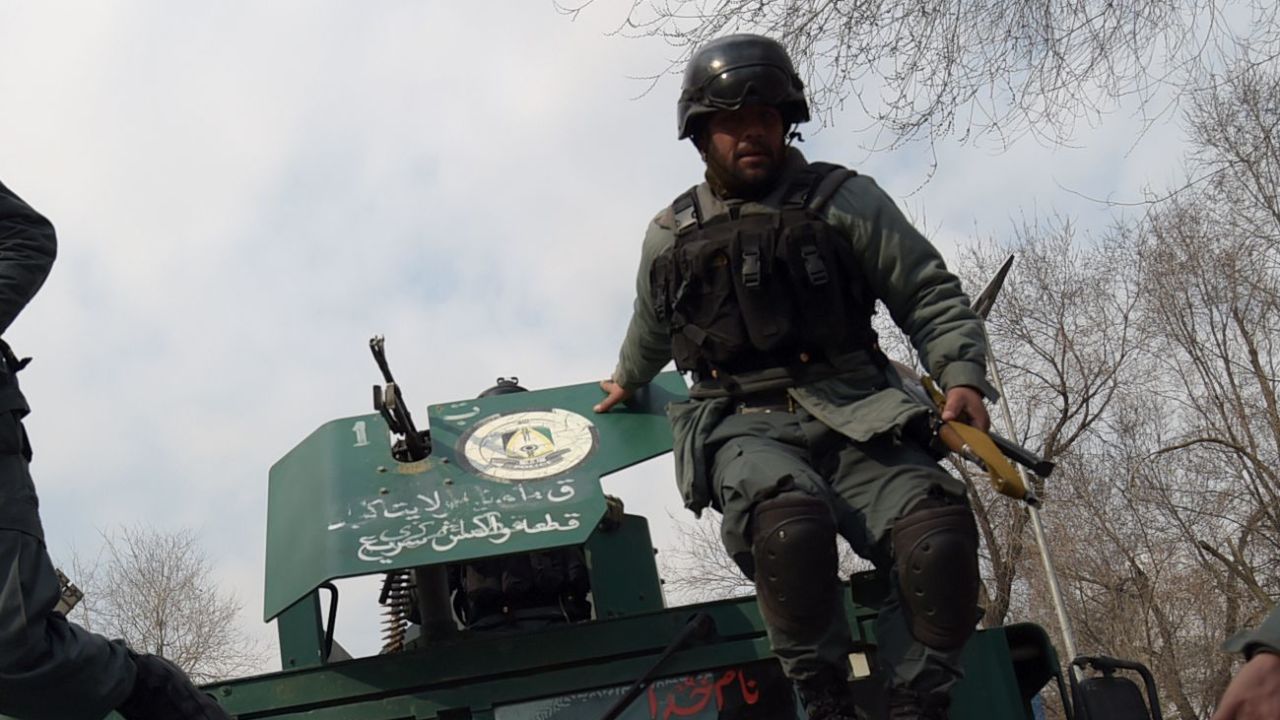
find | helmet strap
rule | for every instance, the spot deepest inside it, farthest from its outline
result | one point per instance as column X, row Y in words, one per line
column 699, row 140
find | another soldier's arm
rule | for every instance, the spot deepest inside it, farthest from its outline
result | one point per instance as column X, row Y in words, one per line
column 647, row 345
column 906, row 272
column 1255, row 690
column 27, row 249
column 1264, row 638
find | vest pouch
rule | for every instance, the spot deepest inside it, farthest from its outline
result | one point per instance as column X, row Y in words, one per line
column 706, row 324
column 661, row 282
column 819, row 282
column 667, row 283
column 761, row 289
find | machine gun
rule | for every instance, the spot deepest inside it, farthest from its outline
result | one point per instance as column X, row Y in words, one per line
column 413, row 444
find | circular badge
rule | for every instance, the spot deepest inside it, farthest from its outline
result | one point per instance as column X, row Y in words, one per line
column 528, row 445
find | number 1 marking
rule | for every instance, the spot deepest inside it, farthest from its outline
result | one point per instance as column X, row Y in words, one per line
column 362, row 434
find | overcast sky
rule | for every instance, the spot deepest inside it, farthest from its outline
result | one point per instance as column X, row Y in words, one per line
column 245, row 192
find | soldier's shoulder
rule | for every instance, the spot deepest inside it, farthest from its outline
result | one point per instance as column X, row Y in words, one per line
column 661, row 233
column 853, row 177
column 859, row 193
column 665, row 219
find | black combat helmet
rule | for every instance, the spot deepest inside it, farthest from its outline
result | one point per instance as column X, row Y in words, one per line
column 738, row 70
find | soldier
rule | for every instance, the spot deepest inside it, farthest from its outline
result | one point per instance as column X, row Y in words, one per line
column 51, row 668
column 760, row 283
column 1254, row 693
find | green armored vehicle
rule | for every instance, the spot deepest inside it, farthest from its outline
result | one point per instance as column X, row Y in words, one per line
column 511, row 476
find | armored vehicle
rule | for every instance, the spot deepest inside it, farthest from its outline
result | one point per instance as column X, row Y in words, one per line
column 515, row 589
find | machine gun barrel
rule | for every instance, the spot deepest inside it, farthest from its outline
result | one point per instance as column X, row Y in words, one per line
column 378, row 346
column 390, row 403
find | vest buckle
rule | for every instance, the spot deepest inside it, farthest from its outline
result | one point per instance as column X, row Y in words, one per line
column 751, row 267
column 814, row 267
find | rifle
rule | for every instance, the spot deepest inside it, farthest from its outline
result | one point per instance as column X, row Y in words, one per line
column 987, row 450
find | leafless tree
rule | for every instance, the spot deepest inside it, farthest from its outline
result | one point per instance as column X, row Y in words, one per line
column 696, row 567
column 1063, row 333
column 156, row 590
column 1167, row 519
column 957, row 67
column 1212, row 262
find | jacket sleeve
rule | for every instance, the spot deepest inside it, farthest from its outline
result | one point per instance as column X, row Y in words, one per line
column 906, row 272
column 1264, row 638
column 28, row 246
column 646, row 349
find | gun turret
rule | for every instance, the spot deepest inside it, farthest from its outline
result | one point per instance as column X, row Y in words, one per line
column 412, row 444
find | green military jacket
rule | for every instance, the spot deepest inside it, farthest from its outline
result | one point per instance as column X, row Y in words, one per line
column 906, row 273
column 27, row 250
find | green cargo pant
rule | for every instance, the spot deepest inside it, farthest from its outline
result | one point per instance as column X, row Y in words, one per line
column 868, row 486
column 50, row 669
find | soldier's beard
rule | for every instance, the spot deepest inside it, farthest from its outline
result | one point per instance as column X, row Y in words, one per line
column 729, row 180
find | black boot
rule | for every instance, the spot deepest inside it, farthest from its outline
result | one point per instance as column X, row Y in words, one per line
column 827, row 697
column 163, row 692
column 907, row 704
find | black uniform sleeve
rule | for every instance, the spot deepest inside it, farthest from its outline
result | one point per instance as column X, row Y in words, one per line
column 28, row 246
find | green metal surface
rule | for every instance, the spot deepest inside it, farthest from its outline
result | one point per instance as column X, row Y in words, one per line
column 507, row 474
column 478, row 673
column 624, row 578
column 479, row 670
column 300, row 633
column 989, row 688
column 759, row 688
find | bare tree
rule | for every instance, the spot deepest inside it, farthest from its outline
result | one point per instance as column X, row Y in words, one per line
column 1218, row 319
column 1234, row 121
column 1212, row 262
column 696, row 568
column 958, row 67
column 156, row 590
column 1165, row 516
column 1063, row 332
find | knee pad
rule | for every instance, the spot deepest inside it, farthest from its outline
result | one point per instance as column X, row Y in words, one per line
column 794, row 551
column 936, row 552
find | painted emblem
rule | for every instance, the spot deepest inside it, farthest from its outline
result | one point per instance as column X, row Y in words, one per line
column 527, row 445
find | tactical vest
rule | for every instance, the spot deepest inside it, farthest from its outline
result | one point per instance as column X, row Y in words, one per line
column 777, row 292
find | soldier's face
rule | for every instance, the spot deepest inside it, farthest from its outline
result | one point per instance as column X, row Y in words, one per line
column 745, row 147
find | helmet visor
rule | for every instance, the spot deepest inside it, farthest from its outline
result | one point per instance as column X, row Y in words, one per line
column 733, row 88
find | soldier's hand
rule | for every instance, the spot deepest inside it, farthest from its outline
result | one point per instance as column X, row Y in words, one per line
column 614, row 394
column 1254, row 694
column 965, row 404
